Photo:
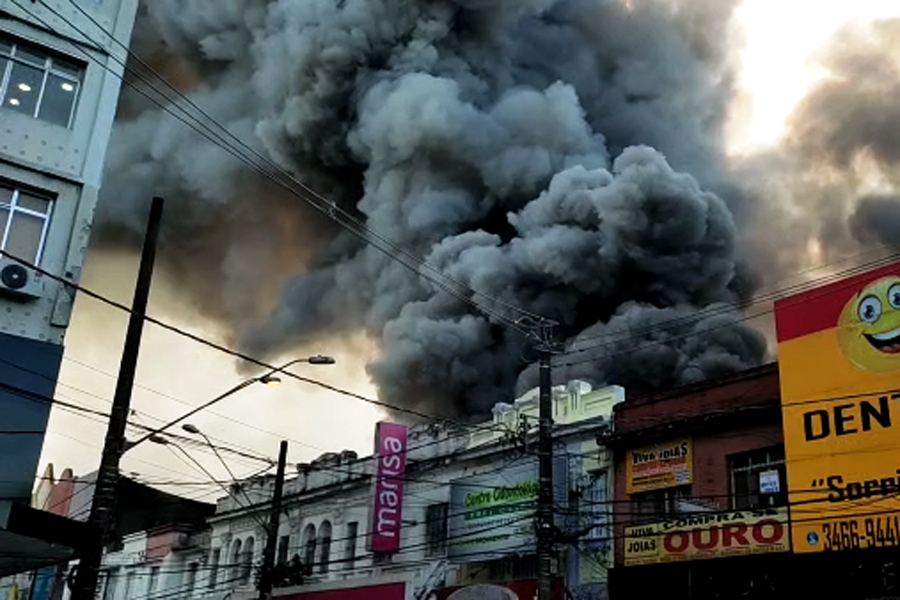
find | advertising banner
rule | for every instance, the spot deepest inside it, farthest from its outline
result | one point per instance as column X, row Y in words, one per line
column 663, row 465
column 839, row 363
column 708, row 535
column 387, row 490
column 493, row 515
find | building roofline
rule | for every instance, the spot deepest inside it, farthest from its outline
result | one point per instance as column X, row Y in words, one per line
column 693, row 388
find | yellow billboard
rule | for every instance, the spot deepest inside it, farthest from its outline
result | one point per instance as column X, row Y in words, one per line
column 708, row 535
column 839, row 364
column 663, row 465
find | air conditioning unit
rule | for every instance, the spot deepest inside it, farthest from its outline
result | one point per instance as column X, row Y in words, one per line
column 18, row 280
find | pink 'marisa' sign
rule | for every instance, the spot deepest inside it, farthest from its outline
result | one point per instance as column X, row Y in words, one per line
column 387, row 501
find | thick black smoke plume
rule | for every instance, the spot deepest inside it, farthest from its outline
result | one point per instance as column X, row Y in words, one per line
column 562, row 156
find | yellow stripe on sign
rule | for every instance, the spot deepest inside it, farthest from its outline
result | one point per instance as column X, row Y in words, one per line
column 842, row 444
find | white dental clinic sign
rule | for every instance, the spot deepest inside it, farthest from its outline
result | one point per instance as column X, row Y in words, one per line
column 387, row 491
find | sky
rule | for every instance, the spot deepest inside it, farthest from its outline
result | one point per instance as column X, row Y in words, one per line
column 778, row 37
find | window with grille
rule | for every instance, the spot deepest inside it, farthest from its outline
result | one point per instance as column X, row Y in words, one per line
column 24, row 221
column 214, row 568
column 659, row 505
column 309, row 548
column 284, row 544
column 597, row 513
column 758, row 479
column 190, row 579
column 436, row 529
column 38, row 83
column 324, row 546
column 153, row 585
column 350, row 542
column 247, row 560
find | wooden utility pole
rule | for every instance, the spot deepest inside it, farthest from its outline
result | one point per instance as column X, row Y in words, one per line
column 103, row 503
column 265, row 579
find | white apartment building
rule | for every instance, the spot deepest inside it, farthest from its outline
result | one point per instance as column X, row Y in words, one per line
column 163, row 562
column 327, row 513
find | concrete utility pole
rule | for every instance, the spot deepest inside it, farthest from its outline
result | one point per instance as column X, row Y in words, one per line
column 91, row 554
column 265, row 580
column 545, row 476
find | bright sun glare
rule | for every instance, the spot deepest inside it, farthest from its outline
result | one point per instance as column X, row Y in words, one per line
column 780, row 37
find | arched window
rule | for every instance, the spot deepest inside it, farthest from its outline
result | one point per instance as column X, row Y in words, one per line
column 235, row 566
column 309, row 547
column 324, row 546
column 247, row 560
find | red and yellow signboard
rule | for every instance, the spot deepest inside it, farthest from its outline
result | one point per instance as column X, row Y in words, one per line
column 839, row 362
column 659, row 466
column 708, row 535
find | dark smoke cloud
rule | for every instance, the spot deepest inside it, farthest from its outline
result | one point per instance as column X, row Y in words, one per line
column 877, row 219
column 854, row 109
column 561, row 156
column 665, row 348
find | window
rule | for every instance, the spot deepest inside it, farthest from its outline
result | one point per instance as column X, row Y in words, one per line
column 659, row 505
column 324, row 546
column 309, row 548
column 235, row 561
column 24, row 219
column 214, row 568
column 154, row 581
column 190, row 578
column 436, row 529
column 37, row 83
column 350, row 543
column 596, row 498
column 247, row 561
column 129, row 584
column 284, row 544
column 758, row 479
column 109, row 591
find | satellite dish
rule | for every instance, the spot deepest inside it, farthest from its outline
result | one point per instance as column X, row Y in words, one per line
column 483, row 592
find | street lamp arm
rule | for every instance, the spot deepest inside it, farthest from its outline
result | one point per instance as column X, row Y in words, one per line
column 129, row 444
column 318, row 359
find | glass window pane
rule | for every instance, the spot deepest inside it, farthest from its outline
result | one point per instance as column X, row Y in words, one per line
column 23, row 88
column 4, row 216
column 3, row 63
column 741, row 490
column 56, row 104
column 31, row 55
column 6, row 195
column 5, row 47
column 25, row 236
column 35, row 203
column 67, row 67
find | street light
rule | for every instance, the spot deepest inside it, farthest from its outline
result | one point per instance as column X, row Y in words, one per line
column 269, row 378
column 164, row 441
column 196, row 431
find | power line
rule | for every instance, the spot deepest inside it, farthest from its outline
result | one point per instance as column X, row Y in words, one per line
column 214, row 345
column 695, row 318
column 186, row 403
column 725, row 308
column 327, row 207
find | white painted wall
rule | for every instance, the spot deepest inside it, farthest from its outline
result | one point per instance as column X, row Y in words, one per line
column 328, row 493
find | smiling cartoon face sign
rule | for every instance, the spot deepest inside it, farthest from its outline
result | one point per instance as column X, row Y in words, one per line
column 869, row 327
